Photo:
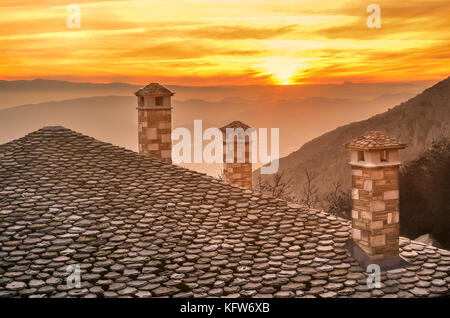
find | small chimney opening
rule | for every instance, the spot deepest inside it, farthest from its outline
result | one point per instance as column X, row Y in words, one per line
column 159, row 101
column 360, row 155
column 384, row 156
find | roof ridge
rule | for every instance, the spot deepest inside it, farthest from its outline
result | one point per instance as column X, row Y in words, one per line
column 159, row 213
column 54, row 128
column 290, row 204
column 47, row 130
column 300, row 206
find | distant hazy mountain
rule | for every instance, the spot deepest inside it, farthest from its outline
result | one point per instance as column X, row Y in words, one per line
column 415, row 122
column 15, row 93
column 114, row 118
column 302, row 112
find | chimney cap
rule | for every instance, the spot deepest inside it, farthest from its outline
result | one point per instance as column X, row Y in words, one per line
column 235, row 124
column 154, row 89
column 374, row 140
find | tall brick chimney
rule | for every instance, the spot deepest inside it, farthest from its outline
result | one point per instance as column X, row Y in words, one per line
column 375, row 164
column 155, row 121
column 239, row 171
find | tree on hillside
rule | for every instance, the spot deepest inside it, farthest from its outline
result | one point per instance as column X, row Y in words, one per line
column 425, row 193
column 309, row 190
column 339, row 202
column 278, row 186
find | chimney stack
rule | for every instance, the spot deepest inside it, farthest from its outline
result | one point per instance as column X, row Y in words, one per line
column 375, row 165
column 155, row 121
column 238, row 138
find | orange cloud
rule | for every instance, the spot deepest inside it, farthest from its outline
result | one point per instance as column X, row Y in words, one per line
column 207, row 42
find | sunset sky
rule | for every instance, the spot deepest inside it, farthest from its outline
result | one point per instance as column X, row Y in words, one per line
column 228, row 42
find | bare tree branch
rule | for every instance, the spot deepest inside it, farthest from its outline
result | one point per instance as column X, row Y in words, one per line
column 309, row 192
column 278, row 187
column 339, row 203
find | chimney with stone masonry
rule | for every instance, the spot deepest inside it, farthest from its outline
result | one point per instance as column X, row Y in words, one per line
column 155, row 121
column 238, row 172
column 375, row 165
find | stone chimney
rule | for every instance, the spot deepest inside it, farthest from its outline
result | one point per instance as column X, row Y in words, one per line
column 374, row 164
column 236, row 138
column 155, row 121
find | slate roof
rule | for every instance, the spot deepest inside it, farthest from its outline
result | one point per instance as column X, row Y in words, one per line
column 373, row 140
column 139, row 227
column 154, row 89
column 234, row 125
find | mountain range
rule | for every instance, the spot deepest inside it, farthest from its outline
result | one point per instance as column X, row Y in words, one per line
column 16, row 93
column 415, row 122
column 108, row 111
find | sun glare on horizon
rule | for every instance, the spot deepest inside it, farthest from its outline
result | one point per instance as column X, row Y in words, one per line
column 281, row 69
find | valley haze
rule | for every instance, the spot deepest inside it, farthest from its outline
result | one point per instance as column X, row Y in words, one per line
column 108, row 111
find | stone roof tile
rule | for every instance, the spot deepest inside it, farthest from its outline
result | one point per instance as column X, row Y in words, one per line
column 234, row 125
column 374, row 140
column 154, row 89
column 138, row 227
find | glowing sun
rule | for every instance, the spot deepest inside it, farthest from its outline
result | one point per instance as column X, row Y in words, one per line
column 281, row 69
